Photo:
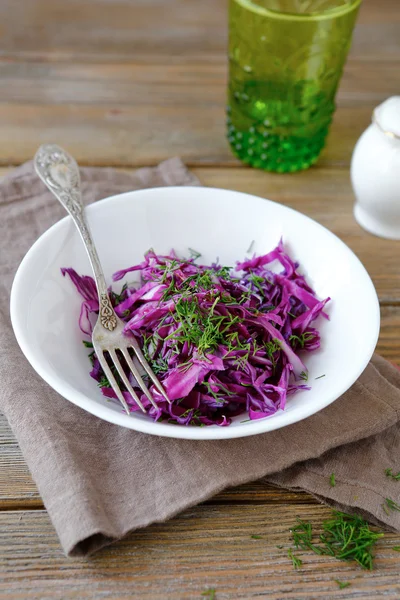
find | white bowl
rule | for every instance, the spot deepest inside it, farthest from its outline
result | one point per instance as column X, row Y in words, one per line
column 218, row 223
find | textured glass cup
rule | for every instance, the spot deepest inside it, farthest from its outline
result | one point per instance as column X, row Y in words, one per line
column 286, row 58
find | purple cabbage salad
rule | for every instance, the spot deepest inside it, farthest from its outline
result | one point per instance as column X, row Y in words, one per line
column 222, row 341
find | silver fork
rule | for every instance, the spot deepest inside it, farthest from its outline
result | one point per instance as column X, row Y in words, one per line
column 60, row 173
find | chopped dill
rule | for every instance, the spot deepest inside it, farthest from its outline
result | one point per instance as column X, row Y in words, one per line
column 160, row 365
column 104, row 382
column 344, row 537
column 257, row 282
column 301, row 339
column 194, row 254
column 389, row 505
column 332, row 480
column 256, row 537
column 348, row 537
column 342, row 584
column 389, row 473
column 210, row 593
column 296, row 561
column 250, row 248
column 302, row 534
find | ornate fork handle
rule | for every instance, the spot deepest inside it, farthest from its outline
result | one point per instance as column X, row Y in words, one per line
column 60, row 173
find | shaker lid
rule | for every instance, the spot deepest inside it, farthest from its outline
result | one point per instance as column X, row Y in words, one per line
column 387, row 117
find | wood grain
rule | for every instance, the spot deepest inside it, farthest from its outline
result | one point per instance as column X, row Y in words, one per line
column 131, row 83
column 154, row 30
column 184, row 85
column 209, row 546
column 144, row 134
column 155, row 121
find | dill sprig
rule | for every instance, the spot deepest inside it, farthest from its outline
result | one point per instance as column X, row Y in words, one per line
column 218, row 397
column 389, row 505
column 301, row 339
column 250, row 248
column 296, row 561
column 210, row 593
column 160, row 365
column 272, row 348
column 342, row 584
column 389, row 473
column 348, row 537
column 257, row 282
column 194, row 254
column 118, row 298
column 103, row 382
column 302, row 534
column 200, row 327
column 344, row 536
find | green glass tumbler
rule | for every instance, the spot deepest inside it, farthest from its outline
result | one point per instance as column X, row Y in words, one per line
column 286, row 58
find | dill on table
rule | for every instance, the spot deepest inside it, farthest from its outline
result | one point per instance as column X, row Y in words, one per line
column 344, row 537
column 348, row 537
column 210, row 593
column 389, row 473
column 296, row 561
column 332, row 480
column 256, row 537
column 342, row 584
column 302, row 534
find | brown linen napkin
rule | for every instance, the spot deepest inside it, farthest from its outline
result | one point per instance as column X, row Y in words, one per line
column 99, row 481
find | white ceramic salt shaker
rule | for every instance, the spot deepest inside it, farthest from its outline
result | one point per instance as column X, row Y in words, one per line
column 375, row 172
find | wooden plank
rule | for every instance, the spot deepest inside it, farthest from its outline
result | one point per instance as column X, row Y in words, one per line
column 150, row 81
column 18, row 490
column 145, row 30
column 136, row 135
column 134, row 84
column 125, row 115
column 206, row 547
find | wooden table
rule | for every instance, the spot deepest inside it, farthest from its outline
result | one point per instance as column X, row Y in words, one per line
column 128, row 83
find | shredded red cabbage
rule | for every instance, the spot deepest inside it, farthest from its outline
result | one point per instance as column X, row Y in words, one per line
column 222, row 341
